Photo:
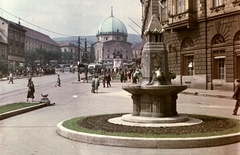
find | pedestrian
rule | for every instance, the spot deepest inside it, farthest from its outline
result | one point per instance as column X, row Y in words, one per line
column 108, row 78
column 10, row 77
column 93, row 85
column 104, row 80
column 58, row 81
column 121, row 76
column 97, row 83
column 86, row 75
column 29, row 78
column 236, row 96
column 31, row 91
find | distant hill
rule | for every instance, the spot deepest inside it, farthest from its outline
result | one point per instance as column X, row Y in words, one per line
column 132, row 38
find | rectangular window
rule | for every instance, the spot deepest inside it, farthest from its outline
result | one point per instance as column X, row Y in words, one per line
column 219, row 67
column 217, row 3
column 164, row 10
column 3, row 52
column 188, row 66
column 180, row 6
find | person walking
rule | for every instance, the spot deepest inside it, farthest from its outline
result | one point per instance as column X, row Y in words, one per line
column 108, row 78
column 236, row 96
column 10, row 77
column 29, row 78
column 103, row 79
column 31, row 91
column 58, row 81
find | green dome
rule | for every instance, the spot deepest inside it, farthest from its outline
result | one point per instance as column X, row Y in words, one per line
column 112, row 25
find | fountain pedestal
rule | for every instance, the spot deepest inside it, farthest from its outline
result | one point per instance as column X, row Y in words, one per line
column 155, row 96
column 154, row 101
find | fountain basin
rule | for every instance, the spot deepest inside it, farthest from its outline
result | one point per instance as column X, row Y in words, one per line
column 154, row 101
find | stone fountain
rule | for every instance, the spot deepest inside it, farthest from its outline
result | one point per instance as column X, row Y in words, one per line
column 154, row 96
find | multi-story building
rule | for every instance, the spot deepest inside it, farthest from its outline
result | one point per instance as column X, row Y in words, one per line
column 72, row 49
column 112, row 41
column 4, row 41
column 37, row 40
column 136, row 51
column 202, row 38
column 12, row 44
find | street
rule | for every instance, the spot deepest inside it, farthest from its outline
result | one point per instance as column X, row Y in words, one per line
column 34, row 133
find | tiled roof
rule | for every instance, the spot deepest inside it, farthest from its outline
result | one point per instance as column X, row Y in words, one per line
column 39, row 36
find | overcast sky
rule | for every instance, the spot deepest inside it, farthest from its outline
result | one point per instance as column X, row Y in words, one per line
column 71, row 17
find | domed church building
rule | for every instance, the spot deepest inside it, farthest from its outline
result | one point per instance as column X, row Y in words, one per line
column 112, row 45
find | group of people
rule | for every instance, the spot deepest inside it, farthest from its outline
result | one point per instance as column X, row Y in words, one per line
column 106, row 78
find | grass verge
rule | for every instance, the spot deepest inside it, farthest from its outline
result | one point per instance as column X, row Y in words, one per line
column 15, row 106
column 72, row 125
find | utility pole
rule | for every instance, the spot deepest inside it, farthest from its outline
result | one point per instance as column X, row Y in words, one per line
column 79, row 58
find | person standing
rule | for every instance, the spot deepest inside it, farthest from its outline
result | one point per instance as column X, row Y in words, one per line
column 58, row 81
column 86, row 75
column 10, row 78
column 108, row 78
column 31, row 91
column 97, row 83
column 93, row 85
column 236, row 96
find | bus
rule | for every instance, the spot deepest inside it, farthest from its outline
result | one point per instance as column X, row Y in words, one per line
column 94, row 68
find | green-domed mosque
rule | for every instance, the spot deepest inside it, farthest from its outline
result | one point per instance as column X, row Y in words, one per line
column 112, row 42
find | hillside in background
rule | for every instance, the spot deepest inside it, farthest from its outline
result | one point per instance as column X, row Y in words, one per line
column 132, row 38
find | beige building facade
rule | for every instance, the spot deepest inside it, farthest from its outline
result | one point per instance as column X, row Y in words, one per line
column 202, row 38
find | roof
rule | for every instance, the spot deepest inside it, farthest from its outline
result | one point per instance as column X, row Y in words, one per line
column 65, row 43
column 2, row 40
column 112, row 25
column 39, row 36
column 137, row 46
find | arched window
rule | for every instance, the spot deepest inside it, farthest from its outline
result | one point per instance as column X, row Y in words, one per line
column 218, row 39
column 237, row 37
column 187, row 43
column 236, row 41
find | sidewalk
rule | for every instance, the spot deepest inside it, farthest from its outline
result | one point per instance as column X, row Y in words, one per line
column 209, row 93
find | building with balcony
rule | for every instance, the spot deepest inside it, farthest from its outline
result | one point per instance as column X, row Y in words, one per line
column 202, row 38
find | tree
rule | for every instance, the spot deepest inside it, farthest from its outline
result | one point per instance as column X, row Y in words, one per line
column 30, row 57
column 3, row 69
column 67, row 56
column 50, row 55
